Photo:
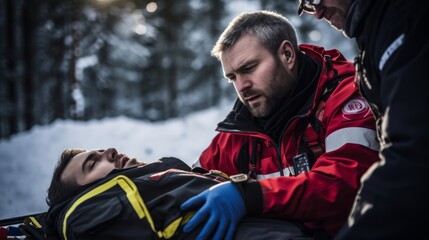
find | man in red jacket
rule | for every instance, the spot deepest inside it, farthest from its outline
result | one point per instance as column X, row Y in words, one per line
column 299, row 130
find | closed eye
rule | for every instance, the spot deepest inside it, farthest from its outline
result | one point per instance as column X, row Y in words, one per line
column 91, row 160
column 96, row 159
column 91, row 166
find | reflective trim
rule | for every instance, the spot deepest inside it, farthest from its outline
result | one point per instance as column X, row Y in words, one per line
column 390, row 50
column 286, row 172
column 362, row 136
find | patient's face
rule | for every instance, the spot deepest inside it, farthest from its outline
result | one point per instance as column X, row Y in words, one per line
column 90, row 165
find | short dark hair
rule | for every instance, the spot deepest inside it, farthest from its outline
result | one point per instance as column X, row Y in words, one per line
column 59, row 190
column 269, row 27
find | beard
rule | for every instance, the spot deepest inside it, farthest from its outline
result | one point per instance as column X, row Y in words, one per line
column 276, row 91
column 264, row 107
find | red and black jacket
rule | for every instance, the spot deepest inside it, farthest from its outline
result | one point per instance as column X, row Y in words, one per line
column 337, row 132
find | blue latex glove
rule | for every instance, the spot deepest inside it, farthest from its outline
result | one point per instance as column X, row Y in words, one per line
column 222, row 208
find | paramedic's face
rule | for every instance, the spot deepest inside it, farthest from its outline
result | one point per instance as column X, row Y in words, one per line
column 88, row 166
column 333, row 11
column 261, row 79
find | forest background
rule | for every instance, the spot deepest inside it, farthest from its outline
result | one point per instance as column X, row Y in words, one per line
column 147, row 60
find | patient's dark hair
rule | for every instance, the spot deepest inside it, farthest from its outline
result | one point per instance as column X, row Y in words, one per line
column 59, row 190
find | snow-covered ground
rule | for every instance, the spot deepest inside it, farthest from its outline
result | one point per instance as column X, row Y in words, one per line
column 27, row 159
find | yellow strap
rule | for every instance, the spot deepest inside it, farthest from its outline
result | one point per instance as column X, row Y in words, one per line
column 131, row 192
column 32, row 221
column 171, row 229
column 136, row 202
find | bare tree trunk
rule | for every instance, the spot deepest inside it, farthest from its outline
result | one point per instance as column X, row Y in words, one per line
column 30, row 88
column 76, row 111
column 8, row 98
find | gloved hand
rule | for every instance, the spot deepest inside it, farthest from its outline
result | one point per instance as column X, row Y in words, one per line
column 222, row 208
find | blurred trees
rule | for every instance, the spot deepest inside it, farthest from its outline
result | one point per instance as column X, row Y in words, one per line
column 85, row 59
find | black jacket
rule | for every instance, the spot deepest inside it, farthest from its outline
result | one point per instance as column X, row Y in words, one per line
column 144, row 203
column 136, row 203
column 392, row 37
